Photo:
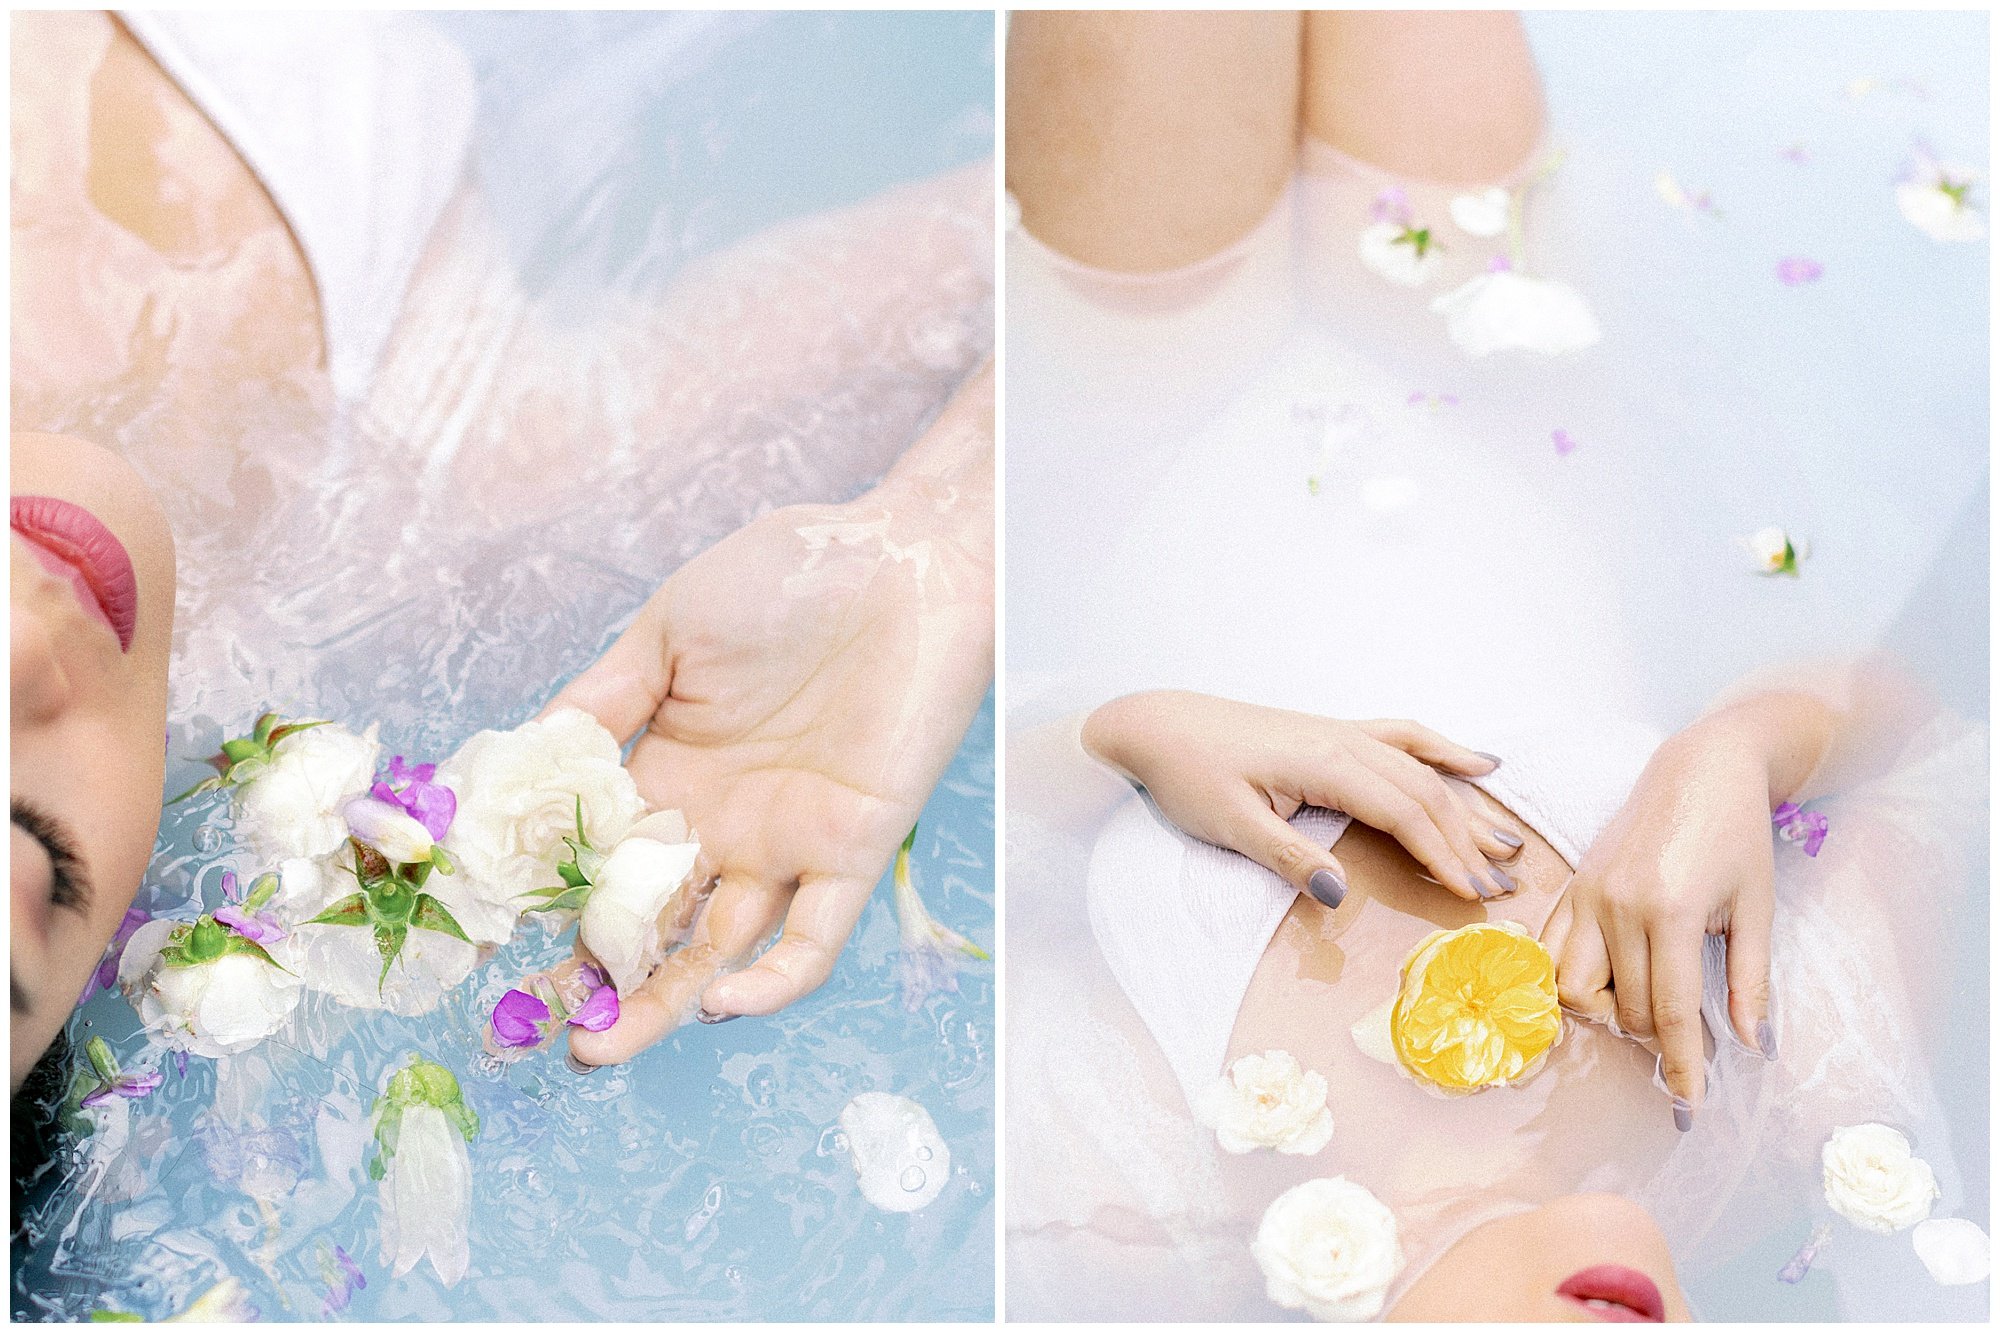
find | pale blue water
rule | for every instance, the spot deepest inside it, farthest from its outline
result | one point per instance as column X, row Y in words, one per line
column 706, row 1180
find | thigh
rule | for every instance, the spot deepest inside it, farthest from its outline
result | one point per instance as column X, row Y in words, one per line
column 1146, row 141
column 1450, row 96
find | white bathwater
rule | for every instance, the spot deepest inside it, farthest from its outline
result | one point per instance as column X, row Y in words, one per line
column 645, row 329
column 1476, row 566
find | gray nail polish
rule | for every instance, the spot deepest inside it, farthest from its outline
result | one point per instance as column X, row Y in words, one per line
column 703, row 1015
column 577, row 1066
column 1327, row 887
column 1492, row 759
column 1507, row 838
column 1501, row 877
column 1683, row 1116
column 1767, row 1040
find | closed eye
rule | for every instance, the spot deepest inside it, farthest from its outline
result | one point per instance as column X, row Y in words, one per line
column 68, row 885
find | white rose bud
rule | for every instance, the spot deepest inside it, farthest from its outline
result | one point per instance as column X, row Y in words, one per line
column 634, row 887
column 1328, row 1247
column 1939, row 212
column 1268, row 1101
column 1397, row 260
column 212, row 1009
column 292, row 807
column 1872, row 1179
column 387, row 828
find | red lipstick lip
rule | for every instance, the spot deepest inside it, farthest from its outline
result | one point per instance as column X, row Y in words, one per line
column 1634, row 1298
column 96, row 561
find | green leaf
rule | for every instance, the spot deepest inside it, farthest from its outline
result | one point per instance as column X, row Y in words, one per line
column 389, row 943
column 101, row 1058
column 463, row 1118
column 238, row 944
column 290, row 728
column 262, row 889
column 579, row 821
column 349, row 911
column 565, row 899
column 911, row 840
column 431, row 915
column 441, row 859
column 116, row 1317
column 261, row 732
column 241, row 748
column 572, row 875
column 216, row 783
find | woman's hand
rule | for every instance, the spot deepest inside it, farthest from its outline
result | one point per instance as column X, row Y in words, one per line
column 1232, row 774
column 801, row 687
column 1689, row 855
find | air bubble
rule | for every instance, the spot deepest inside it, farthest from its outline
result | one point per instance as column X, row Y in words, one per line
column 912, row 1179
column 207, row 838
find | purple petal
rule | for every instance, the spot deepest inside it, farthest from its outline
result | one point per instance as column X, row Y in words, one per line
column 138, row 1085
column 1564, row 442
column 258, row 928
column 107, row 971
column 1391, row 205
column 1797, row 270
column 1815, row 833
column 1417, row 396
column 518, row 1019
column 1784, row 813
column 432, row 805
column 592, row 976
column 1500, row 264
column 181, row 1063
column 105, row 1092
column 598, row 1012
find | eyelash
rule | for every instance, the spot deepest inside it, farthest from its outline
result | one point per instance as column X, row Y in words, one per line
column 63, row 860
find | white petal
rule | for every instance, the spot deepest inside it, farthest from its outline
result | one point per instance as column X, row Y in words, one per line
column 1482, row 214
column 427, row 1197
column 621, row 920
column 900, row 1160
column 1371, row 1033
column 1955, row 1251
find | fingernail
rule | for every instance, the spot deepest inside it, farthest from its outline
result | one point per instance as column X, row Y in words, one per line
column 1507, row 838
column 1492, row 759
column 1683, row 1116
column 1501, row 877
column 1767, row 1040
column 703, row 1015
column 1327, row 887
column 577, row 1066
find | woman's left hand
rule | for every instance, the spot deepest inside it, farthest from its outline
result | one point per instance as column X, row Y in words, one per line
column 1689, row 855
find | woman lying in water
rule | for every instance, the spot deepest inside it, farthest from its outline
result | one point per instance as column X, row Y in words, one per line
column 1247, row 922
column 167, row 304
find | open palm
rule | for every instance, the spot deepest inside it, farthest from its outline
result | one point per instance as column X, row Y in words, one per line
column 801, row 687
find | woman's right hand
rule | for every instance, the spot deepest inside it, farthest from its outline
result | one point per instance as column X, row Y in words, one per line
column 1232, row 774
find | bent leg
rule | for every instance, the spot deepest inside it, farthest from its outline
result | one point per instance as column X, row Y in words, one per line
column 1448, row 96
column 1142, row 142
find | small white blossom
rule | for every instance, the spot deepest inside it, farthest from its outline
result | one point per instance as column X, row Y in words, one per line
column 1504, row 310
column 1482, row 214
column 900, row 1159
column 1776, row 551
column 1329, row 1247
column 517, row 800
column 1391, row 250
column 1872, row 1179
column 1934, row 201
column 637, row 885
column 292, row 807
column 215, row 1008
column 1268, row 1101
column 427, row 1196
column 1955, row 1251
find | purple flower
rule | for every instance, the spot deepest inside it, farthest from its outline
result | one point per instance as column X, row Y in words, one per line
column 518, row 1020
column 106, row 975
column 1797, row 152
column 1500, row 264
column 181, row 1063
column 1796, row 271
column 1392, row 205
column 1794, row 825
column 130, row 1086
column 430, row 803
column 343, row 1278
column 257, row 927
column 598, row 1012
column 1564, row 442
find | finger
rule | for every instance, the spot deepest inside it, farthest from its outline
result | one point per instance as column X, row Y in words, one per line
column 1631, row 984
column 1381, row 804
column 1675, row 975
column 1283, row 850
column 740, row 914
column 1433, row 749
column 1495, row 842
column 1583, row 971
column 1749, row 971
column 822, row 916
column 1445, row 810
column 626, row 686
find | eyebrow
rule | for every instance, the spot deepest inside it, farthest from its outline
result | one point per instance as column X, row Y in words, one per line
column 69, row 886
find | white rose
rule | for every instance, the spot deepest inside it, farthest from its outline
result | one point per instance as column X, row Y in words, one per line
column 1873, row 1180
column 1775, row 551
column 1923, row 202
column 1268, row 1101
column 342, row 961
column 900, row 1159
column 633, row 889
column 1394, row 260
column 1329, row 1247
column 211, row 1009
column 1497, row 312
column 427, row 1196
column 292, row 807
column 1481, row 214
column 1955, row 1251
column 517, row 793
